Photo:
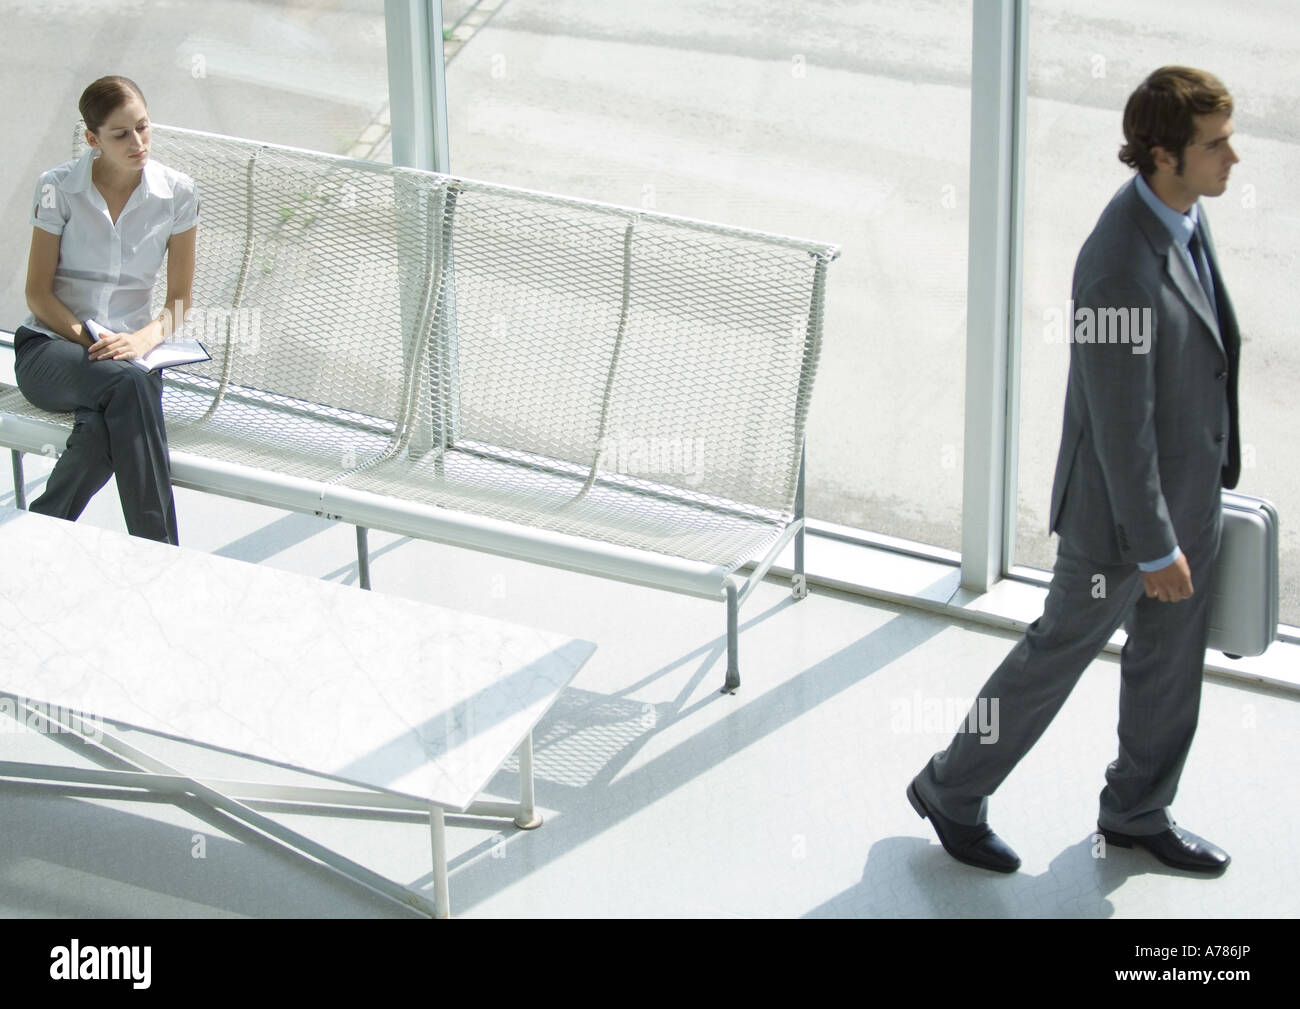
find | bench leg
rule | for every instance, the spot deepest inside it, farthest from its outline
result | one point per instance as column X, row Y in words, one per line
column 20, row 486
column 528, row 818
column 733, row 641
column 438, row 832
column 363, row 558
column 798, row 583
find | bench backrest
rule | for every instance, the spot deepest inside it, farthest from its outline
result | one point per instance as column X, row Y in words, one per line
column 633, row 346
column 297, row 289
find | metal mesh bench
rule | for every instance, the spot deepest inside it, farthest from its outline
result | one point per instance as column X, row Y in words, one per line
column 585, row 385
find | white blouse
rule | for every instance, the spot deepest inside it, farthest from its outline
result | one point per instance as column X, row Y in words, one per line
column 107, row 271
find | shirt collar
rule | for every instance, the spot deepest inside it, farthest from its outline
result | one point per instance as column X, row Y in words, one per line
column 154, row 180
column 1180, row 226
column 79, row 178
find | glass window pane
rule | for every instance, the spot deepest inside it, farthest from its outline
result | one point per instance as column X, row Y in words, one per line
column 295, row 72
column 1085, row 58
column 839, row 122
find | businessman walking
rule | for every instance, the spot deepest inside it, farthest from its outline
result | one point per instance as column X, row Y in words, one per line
column 1149, row 438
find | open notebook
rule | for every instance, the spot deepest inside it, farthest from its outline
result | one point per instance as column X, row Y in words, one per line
column 165, row 355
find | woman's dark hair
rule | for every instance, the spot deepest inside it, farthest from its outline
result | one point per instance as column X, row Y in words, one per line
column 1160, row 114
column 102, row 98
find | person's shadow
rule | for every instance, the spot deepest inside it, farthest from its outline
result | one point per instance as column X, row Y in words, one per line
column 912, row 877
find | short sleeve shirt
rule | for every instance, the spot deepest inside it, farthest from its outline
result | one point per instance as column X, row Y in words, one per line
column 107, row 271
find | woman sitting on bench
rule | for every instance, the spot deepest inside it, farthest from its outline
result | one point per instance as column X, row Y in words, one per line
column 101, row 226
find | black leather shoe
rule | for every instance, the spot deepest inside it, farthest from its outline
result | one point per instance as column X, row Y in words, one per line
column 977, row 846
column 1178, row 848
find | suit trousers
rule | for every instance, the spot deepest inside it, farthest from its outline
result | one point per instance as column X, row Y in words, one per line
column 1161, row 667
column 118, row 431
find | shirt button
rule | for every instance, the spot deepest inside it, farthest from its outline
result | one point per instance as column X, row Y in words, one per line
column 1219, row 437
column 1221, row 376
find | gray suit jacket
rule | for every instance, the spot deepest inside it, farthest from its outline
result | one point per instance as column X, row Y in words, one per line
column 1148, row 438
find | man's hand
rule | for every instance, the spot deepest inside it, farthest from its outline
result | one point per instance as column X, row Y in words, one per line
column 120, row 346
column 1170, row 584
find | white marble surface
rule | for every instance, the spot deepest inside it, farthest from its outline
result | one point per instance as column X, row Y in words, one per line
column 374, row 689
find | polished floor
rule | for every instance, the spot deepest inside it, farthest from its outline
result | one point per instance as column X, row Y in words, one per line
column 662, row 796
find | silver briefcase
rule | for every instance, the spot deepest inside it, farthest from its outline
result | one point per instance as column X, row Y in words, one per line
column 1244, row 610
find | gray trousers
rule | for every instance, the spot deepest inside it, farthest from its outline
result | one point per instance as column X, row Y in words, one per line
column 1160, row 690
column 118, row 431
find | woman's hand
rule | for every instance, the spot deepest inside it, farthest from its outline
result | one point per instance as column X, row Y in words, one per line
column 122, row 346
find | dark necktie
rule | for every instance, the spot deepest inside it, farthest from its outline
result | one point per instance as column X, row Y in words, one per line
column 1202, row 267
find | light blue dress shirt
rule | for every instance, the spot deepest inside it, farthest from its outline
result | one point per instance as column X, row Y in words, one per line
column 1181, row 227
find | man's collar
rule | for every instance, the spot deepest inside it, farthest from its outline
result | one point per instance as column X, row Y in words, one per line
column 1180, row 226
column 155, row 179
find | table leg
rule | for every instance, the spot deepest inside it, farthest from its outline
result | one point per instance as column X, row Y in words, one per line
column 528, row 817
column 441, row 895
column 99, row 737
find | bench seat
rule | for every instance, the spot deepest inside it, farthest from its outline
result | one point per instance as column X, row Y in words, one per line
column 512, row 487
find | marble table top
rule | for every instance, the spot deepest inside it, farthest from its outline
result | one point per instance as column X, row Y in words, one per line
column 375, row 690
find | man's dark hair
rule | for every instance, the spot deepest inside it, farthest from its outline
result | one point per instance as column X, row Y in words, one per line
column 1160, row 114
column 104, row 97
